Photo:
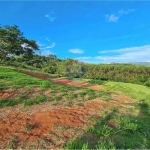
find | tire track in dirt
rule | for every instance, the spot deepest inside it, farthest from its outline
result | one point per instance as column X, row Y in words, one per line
column 65, row 81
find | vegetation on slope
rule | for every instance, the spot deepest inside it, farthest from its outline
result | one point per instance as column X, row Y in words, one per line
column 125, row 126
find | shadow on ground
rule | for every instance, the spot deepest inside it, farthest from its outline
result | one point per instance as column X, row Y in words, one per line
column 116, row 130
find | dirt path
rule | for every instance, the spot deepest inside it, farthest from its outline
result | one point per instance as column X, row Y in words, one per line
column 75, row 83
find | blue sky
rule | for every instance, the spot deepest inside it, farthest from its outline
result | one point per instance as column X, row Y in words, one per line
column 90, row 31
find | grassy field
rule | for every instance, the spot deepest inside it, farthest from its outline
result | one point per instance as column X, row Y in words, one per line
column 60, row 95
column 124, row 125
column 119, row 128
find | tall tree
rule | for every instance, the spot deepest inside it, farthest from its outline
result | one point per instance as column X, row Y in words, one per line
column 12, row 42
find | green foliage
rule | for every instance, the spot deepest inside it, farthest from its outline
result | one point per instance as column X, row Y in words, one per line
column 106, row 145
column 101, row 130
column 100, row 82
column 128, row 125
column 8, row 102
column 12, row 42
column 28, row 127
column 117, row 72
column 147, row 83
column 36, row 100
column 75, row 70
column 76, row 145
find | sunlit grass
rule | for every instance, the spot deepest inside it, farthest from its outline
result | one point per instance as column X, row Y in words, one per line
column 135, row 91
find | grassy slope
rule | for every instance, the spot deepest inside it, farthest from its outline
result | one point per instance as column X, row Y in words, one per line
column 135, row 91
column 132, row 124
column 25, row 87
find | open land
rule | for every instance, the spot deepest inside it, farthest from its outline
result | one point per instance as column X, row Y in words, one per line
column 37, row 111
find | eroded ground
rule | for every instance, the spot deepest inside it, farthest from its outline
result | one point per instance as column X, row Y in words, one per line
column 47, row 126
column 29, row 127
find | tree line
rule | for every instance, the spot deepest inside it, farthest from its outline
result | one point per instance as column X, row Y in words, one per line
column 17, row 51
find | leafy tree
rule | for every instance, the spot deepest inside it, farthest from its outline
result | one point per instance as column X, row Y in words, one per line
column 75, row 70
column 12, row 42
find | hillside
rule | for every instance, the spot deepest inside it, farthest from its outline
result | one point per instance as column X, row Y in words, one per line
column 40, row 114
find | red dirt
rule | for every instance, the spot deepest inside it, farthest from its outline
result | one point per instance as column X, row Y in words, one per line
column 65, row 81
column 15, row 124
column 77, row 83
column 36, row 75
column 6, row 94
column 122, row 99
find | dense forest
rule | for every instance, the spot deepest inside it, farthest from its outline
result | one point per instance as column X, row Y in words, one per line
column 19, row 52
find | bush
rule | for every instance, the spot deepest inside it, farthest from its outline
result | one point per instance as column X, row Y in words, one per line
column 75, row 70
column 147, row 83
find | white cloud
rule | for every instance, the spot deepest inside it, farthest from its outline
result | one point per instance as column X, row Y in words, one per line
column 115, row 18
column 45, row 47
column 83, row 58
column 25, row 45
column 131, row 54
column 51, row 46
column 111, row 18
column 46, row 16
column 47, row 39
column 123, row 55
column 121, row 12
column 40, row 44
column 49, row 17
column 46, row 52
column 76, row 51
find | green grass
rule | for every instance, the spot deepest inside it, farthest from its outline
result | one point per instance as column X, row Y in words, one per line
column 10, row 79
column 135, row 91
column 131, row 131
column 35, row 100
column 8, row 102
column 100, row 82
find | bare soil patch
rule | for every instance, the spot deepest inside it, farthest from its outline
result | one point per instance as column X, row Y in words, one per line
column 36, row 75
column 122, row 99
column 42, row 122
column 7, row 93
column 30, row 124
column 65, row 81
column 77, row 83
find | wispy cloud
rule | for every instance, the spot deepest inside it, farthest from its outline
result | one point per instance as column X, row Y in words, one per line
column 123, row 55
column 50, row 18
column 76, row 51
column 51, row 46
column 46, row 47
column 131, row 54
column 115, row 18
column 40, row 44
column 121, row 12
column 45, row 38
column 83, row 58
column 46, row 52
column 111, row 18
